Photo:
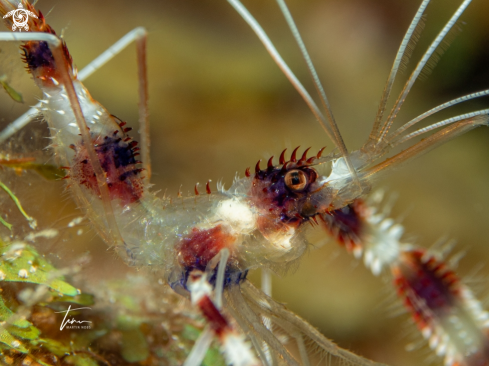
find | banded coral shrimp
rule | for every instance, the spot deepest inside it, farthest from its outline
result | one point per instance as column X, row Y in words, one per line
column 275, row 149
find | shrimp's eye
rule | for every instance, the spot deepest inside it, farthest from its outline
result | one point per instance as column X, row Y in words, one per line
column 296, row 180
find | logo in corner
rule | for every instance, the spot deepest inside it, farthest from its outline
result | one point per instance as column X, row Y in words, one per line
column 73, row 323
column 20, row 17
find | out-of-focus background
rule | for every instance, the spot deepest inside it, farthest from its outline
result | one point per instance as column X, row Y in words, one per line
column 218, row 104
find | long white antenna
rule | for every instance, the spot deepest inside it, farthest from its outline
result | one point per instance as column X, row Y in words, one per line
column 419, row 68
column 392, row 138
column 245, row 14
column 406, row 41
column 338, row 140
column 441, row 124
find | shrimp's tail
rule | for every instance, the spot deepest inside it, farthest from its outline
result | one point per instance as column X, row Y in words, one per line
column 37, row 54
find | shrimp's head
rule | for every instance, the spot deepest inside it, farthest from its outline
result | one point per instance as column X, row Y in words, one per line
column 287, row 195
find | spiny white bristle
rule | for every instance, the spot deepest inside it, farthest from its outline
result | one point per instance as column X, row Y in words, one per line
column 426, row 332
column 220, row 186
column 433, row 341
column 441, row 349
column 377, row 197
column 357, row 251
column 369, row 257
column 449, row 360
column 474, row 307
column 237, row 351
column 386, row 224
column 397, row 231
column 376, row 267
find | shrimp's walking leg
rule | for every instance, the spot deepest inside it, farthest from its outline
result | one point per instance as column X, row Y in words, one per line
column 236, row 351
column 302, row 350
column 222, row 257
column 266, row 287
column 141, row 38
column 200, row 348
column 266, row 281
column 66, row 79
column 204, row 341
column 92, row 67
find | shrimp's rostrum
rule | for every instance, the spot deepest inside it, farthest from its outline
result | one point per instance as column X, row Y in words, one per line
column 218, row 105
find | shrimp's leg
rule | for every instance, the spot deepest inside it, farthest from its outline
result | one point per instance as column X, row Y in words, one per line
column 266, row 281
column 204, row 341
column 141, row 37
column 137, row 35
column 200, row 348
column 266, row 287
column 222, row 258
column 66, row 79
column 236, row 351
column 302, row 350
